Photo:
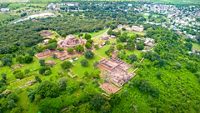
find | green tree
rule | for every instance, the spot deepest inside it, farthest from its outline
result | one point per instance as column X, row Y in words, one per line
column 121, row 54
column 25, row 59
column 48, row 89
column 38, row 79
column 70, row 50
column 84, row 63
column 79, row 48
column 18, row 74
column 44, row 70
column 110, row 51
column 66, row 65
column 97, row 102
column 120, row 46
column 130, row 45
column 6, row 61
column 123, row 37
column 42, row 62
column 88, row 45
column 52, row 46
column 188, row 45
column 4, row 76
column 31, row 95
column 89, row 54
column 87, row 36
column 140, row 46
column 132, row 58
column 28, row 59
column 50, row 105
column 62, row 84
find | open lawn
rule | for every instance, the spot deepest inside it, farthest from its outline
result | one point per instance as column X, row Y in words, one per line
column 196, row 46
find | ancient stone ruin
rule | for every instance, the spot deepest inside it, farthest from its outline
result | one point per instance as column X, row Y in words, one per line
column 117, row 71
column 71, row 41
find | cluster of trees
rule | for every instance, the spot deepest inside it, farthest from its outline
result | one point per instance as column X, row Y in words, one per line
column 22, row 44
column 145, row 87
column 24, row 59
column 3, row 82
column 52, row 44
column 162, row 68
column 9, row 102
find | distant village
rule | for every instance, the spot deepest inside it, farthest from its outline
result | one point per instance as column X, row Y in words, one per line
column 182, row 19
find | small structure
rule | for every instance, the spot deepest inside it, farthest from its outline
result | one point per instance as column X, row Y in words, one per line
column 71, row 41
column 45, row 54
column 132, row 28
column 4, row 10
column 6, row 92
column 149, row 42
column 53, row 6
column 137, row 28
column 117, row 71
column 70, row 4
column 62, row 55
column 50, row 63
column 109, row 88
column 30, row 83
column 196, row 52
column 46, row 33
column 105, row 37
column 17, row 66
column 112, row 36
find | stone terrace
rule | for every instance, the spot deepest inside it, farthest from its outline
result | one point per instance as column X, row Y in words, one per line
column 117, row 71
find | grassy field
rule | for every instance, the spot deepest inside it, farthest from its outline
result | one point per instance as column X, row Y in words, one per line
column 196, row 46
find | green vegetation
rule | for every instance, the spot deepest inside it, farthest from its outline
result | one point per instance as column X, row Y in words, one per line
column 177, row 1
column 196, row 46
column 167, row 77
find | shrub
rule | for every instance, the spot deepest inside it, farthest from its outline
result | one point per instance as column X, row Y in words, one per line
column 50, row 105
column 84, row 63
column 66, row 65
column 42, row 62
column 88, row 45
column 140, row 46
column 70, row 50
column 89, row 54
column 145, row 87
column 79, row 48
column 18, row 74
column 44, row 70
column 62, row 83
column 120, row 46
column 25, row 59
column 87, row 36
column 132, row 58
column 38, row 79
